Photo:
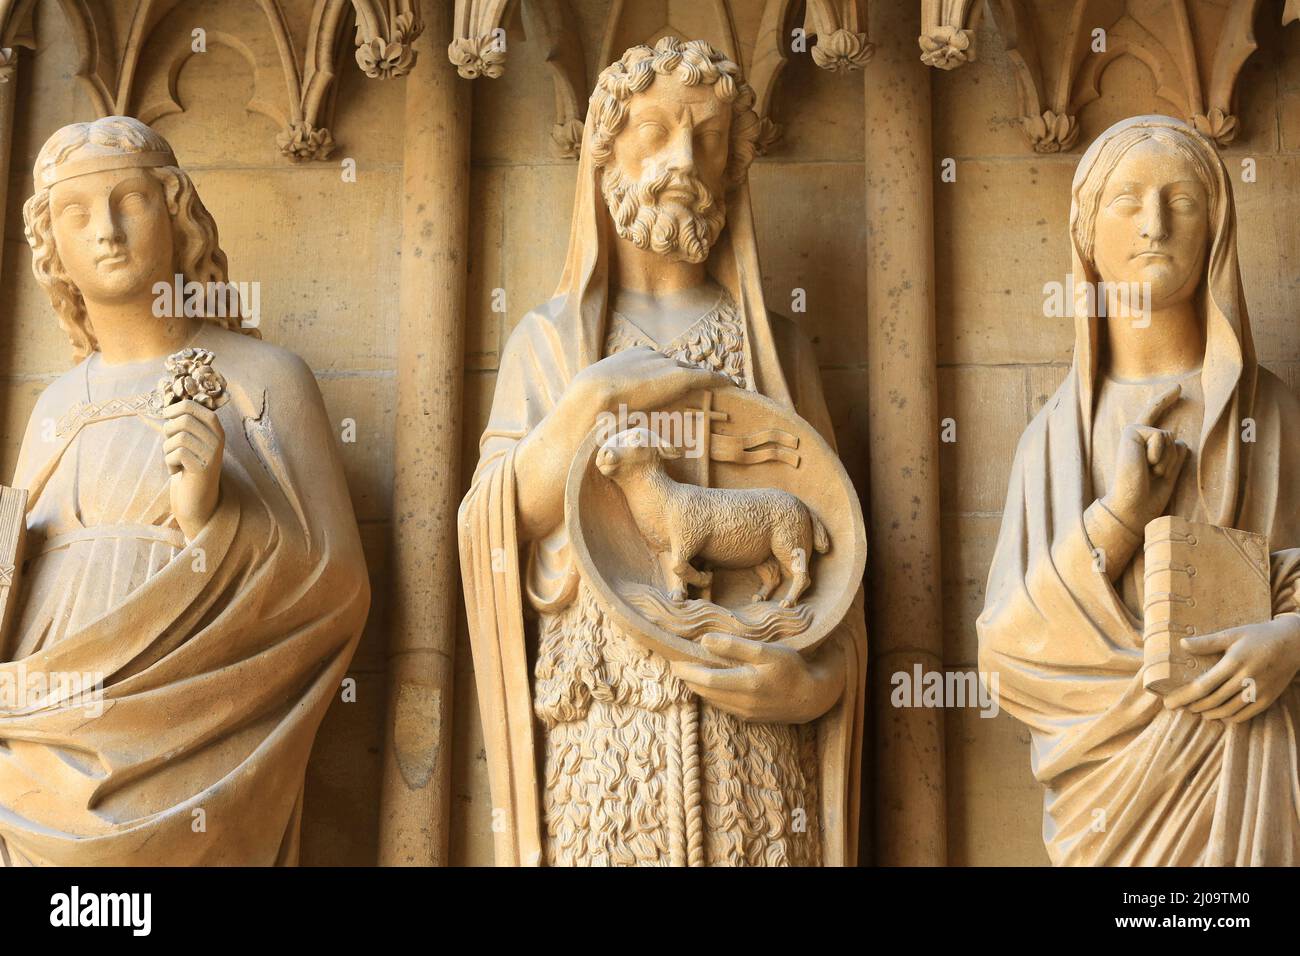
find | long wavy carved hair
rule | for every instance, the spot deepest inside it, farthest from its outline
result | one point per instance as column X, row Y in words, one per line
column 197, row 256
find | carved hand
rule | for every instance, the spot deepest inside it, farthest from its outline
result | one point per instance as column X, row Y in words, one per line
column 640, row 378
column 1147, row 464
column 194, row 446
column 1259, row 660
column 769, row 683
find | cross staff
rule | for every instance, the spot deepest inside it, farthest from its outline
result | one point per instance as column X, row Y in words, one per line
column 708, row 415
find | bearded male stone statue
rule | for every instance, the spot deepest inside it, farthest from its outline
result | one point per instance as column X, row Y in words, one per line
column 645, row 761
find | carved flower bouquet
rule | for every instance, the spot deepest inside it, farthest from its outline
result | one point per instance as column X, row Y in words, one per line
column 190, row 376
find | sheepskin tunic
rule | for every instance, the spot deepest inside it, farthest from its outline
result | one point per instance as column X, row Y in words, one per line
column 612, row 715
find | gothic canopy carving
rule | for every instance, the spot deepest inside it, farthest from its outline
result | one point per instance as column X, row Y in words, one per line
column 478, row 48
column 831, row 31
column 1195, row 49
column 386, row 33
column 841, row 45
column 15, row 31
column 131, row 53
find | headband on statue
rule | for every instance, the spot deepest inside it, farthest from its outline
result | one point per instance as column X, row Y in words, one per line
column 108, row 159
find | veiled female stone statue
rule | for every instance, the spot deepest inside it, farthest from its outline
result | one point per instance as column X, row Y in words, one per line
column 643, row 761
column 194, row 551
column 1164, row 412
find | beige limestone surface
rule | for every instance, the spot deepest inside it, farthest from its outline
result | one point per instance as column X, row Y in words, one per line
column 313, row 303
column 193, row 584
column 332, row 297
column 1165, row 423
column 748, row 745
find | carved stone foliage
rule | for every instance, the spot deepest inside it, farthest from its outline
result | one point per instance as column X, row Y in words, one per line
column 831, row 31
column 947, row 39
column 841, row 45
column 479, row 49
column 15, row 31
column 1195, row 50
column 386, row 31
column 131, row 54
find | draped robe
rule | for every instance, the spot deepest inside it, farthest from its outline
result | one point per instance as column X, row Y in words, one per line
column 1129, row 782
column 622, row 684
column 218, row 658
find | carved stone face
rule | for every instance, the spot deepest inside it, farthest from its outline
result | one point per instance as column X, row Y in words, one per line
column 1153, row 224
column 665, row 183
column 113, row 233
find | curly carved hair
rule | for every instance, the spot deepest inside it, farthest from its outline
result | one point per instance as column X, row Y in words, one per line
column 198, row 255
column 692, row 62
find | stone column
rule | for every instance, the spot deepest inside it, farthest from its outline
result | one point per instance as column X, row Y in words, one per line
column 8, row 92
column 414, row 815
column 8, row 324
column 904, row 570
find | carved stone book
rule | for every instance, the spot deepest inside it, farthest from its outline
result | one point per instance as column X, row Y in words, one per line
column 13, row 529
column 1200, row 578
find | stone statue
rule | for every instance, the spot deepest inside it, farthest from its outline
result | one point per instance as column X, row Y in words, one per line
column 766, row 529
column 1165, row 412
column 751, row 755
column 191, row 549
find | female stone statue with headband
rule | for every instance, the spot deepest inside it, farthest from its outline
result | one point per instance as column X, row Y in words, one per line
column 191, row 551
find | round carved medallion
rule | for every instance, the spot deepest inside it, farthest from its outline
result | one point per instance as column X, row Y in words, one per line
column 726, row 514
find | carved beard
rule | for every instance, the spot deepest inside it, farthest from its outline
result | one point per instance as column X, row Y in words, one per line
column 681, row 231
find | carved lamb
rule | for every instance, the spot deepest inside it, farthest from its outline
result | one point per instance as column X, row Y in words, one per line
column 766, row 529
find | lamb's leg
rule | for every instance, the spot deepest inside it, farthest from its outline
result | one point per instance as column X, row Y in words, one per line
column 790, row 546
column 685, row 572
column 769, row 577
column 799, row 583
column 676, row 586
column 794, row 561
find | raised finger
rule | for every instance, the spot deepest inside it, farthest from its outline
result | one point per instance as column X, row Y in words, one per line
column 1160, row 404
